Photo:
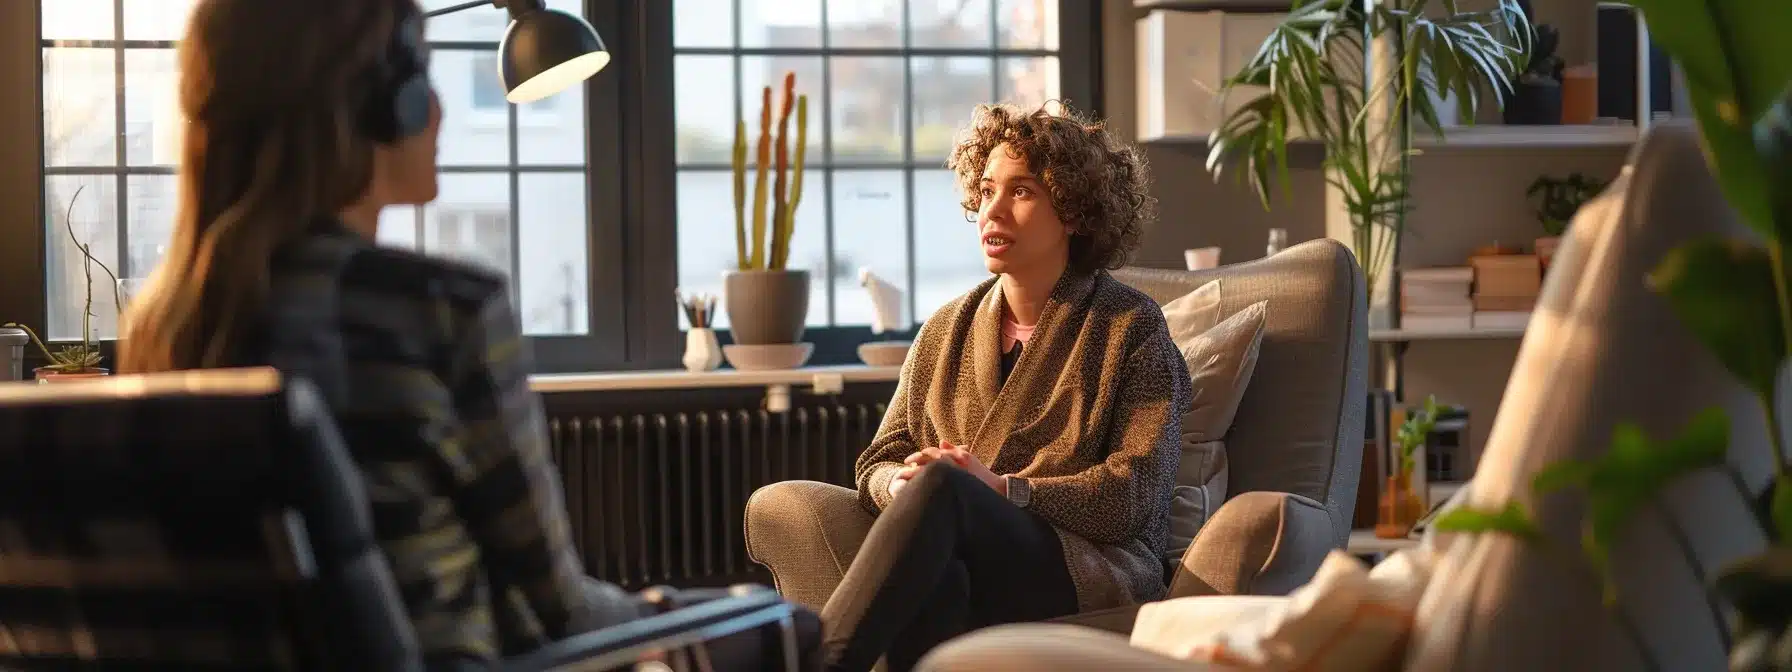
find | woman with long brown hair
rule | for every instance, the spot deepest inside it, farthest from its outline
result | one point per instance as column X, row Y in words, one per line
column 304, row 120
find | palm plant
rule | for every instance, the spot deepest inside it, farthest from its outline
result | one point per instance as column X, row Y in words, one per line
column 1316, row 77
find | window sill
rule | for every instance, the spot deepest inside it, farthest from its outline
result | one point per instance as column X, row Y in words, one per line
column 824, row 379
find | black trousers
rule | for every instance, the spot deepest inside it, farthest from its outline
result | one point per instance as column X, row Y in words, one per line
column 949, row 555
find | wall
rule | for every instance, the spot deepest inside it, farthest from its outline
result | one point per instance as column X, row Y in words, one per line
column 21, row 182
column 1194, row 210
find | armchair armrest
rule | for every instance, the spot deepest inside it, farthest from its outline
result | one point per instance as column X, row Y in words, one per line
column 1257, row 543
column 807, row 534
column 622, row 646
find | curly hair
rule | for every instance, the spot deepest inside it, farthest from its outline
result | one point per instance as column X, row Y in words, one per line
column 1098, row 184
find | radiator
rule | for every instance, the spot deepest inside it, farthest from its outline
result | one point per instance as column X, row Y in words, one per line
column 660, row 498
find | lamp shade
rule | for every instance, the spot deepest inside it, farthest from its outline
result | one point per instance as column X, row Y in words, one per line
column 545, row 52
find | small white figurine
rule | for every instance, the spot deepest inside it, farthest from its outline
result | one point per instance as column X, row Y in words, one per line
column 886, row 302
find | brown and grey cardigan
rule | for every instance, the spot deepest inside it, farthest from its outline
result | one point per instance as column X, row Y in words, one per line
column 1091, row 417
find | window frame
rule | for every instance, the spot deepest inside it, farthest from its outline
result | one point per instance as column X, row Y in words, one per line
column 1078, row 53
column 631, row 182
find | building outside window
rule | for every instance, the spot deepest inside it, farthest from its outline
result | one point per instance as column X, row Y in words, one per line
column 889, row 83
column 513, row 179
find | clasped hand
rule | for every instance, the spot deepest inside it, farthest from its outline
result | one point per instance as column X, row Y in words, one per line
column 947, row 453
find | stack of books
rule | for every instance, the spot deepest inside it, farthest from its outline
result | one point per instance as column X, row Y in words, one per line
column 1506, row 289
column 1436, row 298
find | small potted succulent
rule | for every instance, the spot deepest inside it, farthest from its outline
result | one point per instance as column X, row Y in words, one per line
column 81, row 360
column 69, row 362
column 1401, row 504
column 1557, row 200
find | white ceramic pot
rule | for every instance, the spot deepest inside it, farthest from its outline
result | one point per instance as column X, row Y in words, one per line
column 701, row 350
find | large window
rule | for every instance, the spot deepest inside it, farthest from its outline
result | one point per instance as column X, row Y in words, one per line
column 109, row 132
column 598, row 202
column 513, row 180
column 889, row 82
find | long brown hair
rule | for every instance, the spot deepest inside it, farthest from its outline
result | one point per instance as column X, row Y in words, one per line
column 273, row 93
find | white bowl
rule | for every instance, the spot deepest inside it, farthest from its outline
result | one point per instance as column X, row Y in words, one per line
column 884, row 353
column 768, row 357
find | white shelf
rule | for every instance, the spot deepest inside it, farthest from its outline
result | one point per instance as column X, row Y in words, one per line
column 1480, row 137
column 1364, row 542
column 819, row 376
column 1496, row 136
column 1472, row 333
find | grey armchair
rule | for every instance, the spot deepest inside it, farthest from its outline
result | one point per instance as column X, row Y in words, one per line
column 1294, row 449
column 1602, row 349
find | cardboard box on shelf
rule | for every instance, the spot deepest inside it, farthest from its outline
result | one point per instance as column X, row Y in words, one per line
column 1507, row 275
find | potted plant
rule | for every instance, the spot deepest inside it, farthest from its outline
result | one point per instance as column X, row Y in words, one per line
column 1537, row 91
column 1557, row 199
column 81, row 360
column 1401, row 504
column 1734, row 296
column 1313, row 80
column 768, row 303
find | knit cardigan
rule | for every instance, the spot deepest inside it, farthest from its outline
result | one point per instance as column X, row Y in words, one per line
column 1090, row 417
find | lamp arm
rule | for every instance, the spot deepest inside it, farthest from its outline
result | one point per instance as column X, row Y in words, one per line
column 461, row 6
column 516, row 7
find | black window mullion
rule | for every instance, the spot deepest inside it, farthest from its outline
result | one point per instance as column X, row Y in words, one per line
column 740, row 109
column 908, row 151
column 827, row 172
column 121, row 226
column 995, row 34
column 515, row 185
column 418, row 222
column 995, row 54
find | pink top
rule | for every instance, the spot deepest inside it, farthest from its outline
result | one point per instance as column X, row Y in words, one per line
column 1013, row 332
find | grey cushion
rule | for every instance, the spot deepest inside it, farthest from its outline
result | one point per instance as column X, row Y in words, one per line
column 1220, row 358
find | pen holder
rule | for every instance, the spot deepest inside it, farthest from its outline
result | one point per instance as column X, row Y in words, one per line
column 702, row 352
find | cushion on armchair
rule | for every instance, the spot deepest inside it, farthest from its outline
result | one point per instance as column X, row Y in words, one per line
column 1221, row 354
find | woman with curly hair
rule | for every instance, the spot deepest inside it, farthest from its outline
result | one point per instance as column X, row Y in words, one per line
column 1024, row 469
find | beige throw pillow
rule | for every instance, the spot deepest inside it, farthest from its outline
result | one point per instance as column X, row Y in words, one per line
column 1221, row 356
column 1348, row 618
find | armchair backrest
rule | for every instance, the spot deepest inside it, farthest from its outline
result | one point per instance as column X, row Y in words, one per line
column 1299, row 428
column 208, row 519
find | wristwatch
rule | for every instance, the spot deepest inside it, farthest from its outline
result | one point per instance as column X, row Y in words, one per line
column 1020, row 490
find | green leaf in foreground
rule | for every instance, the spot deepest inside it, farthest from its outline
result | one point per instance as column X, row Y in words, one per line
column 1636, row 470
column 1782, row 510
column 1512, row 520
column 1562, row 475
column 1723, row 291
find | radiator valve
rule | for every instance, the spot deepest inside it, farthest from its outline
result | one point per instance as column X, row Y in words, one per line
column 829, row 383
column 777, row 398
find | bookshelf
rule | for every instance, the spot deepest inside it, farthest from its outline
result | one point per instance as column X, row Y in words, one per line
column 1468, row 187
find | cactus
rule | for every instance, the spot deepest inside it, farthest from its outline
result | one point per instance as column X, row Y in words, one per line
column 757, row 261
column 781, row 184
column 786, row 192
column 782, row 230
column 740, row 193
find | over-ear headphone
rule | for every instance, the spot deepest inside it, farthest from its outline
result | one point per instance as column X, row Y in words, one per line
column 398, row 106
